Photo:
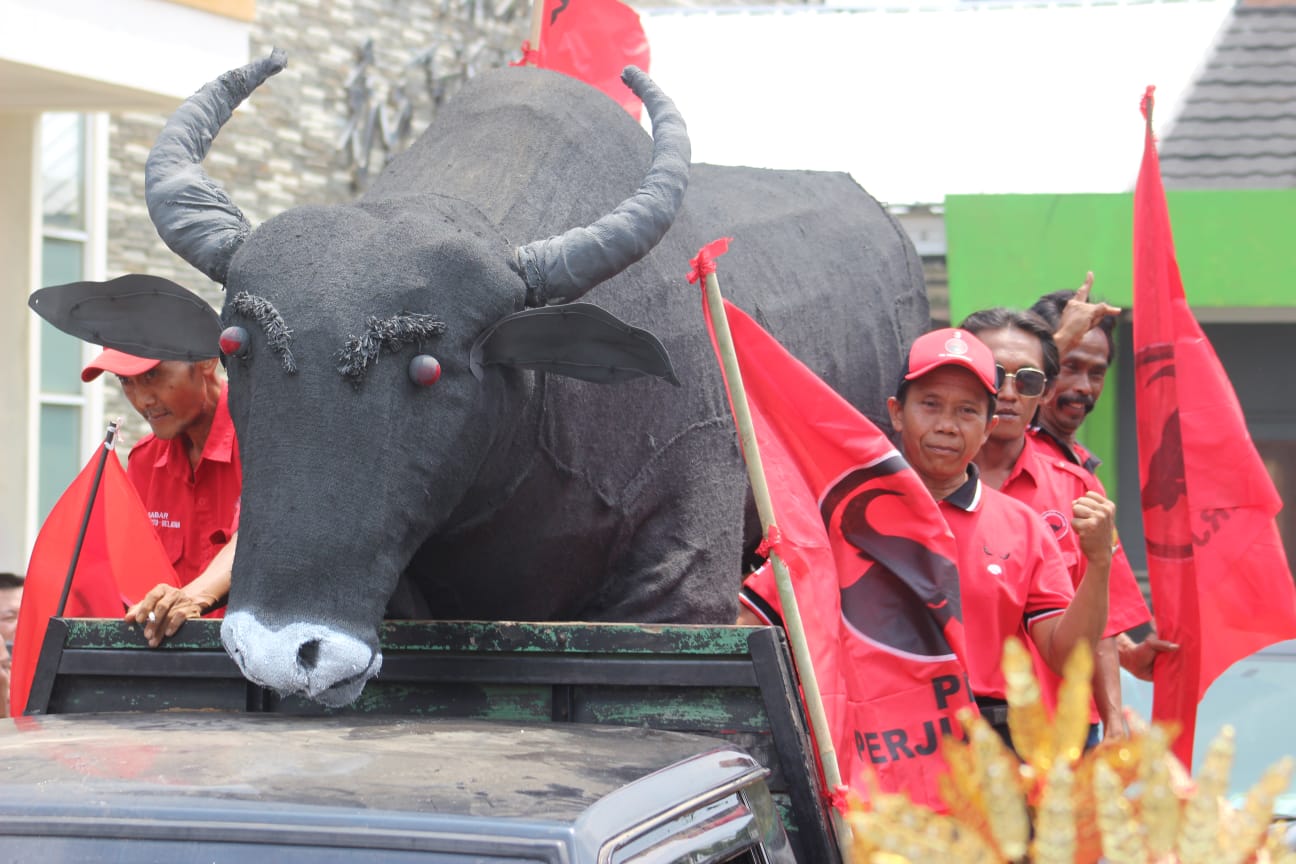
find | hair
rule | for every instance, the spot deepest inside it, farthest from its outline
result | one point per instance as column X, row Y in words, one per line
column 1003, row 318
column 1050, row 306
column 11, row 580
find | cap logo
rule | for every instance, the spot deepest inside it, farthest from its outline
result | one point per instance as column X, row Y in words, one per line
column 956, row 346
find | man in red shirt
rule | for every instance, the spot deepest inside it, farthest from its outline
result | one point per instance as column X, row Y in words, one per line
column 1012, row 578
column 188, row 475
column 1019, row 466
column 1083, row 332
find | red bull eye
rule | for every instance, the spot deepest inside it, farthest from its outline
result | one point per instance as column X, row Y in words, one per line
column 424, row 370
column 234, row 342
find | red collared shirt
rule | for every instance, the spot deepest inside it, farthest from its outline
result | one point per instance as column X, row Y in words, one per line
column 194, row 512
column 1066, row 481
column 1011, row 575
column 1075, row 453
column 1048, row 483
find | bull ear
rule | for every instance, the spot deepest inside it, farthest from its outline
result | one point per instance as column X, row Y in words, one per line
column 143, row 315
column 578, row 340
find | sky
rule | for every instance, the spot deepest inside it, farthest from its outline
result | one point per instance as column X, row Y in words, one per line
column 919, row 101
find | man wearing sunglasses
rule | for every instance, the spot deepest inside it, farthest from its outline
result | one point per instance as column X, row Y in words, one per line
column 1020, row 466
column 1083, row 332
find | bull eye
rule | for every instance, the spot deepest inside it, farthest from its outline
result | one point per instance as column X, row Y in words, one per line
column 234, row 342
column 424, row 370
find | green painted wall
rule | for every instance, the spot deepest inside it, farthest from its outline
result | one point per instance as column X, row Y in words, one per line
column 1235, row 249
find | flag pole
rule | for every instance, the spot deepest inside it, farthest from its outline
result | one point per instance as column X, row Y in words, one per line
column 108, row 443
column 765, row 507
column 537, row 26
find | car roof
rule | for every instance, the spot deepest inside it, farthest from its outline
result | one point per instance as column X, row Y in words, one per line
column 399, row 765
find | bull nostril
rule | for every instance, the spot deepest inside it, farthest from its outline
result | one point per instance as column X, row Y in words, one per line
column 308, row 654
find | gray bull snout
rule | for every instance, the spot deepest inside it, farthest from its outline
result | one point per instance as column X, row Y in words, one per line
column 307, row 659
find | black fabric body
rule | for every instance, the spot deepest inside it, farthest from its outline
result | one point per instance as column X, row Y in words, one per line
column 520, row 494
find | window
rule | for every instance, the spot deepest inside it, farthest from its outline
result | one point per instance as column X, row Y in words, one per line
column 67, row 227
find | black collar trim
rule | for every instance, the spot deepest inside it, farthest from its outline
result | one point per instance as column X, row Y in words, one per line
column 968, row 496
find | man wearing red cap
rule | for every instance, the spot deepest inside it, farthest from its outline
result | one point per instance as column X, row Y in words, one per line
column 188, row 475
column 1012, row 575
column 1013, row 579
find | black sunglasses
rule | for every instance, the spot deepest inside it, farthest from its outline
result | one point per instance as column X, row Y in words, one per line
column 1028, row 380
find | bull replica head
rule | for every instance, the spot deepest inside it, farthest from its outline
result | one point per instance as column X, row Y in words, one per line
column 381, row 357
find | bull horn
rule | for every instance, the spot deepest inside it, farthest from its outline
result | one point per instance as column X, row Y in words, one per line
column 191, row 212
column 562, row 268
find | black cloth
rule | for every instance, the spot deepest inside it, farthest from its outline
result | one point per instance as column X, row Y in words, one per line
column 995, row 712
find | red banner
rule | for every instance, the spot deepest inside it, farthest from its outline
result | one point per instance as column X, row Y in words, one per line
column 1221, row 586
column 592, row 41
column 873, row 568
column 121, row 559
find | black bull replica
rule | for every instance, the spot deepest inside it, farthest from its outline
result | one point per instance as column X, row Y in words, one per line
column 548, row 474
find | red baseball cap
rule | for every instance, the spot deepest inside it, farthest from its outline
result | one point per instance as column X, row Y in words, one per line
column 118, row 363
column 950, row 346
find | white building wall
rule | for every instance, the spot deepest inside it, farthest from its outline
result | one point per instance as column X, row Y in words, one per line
column 18, row 248
column 111, row 55
column 82, row 56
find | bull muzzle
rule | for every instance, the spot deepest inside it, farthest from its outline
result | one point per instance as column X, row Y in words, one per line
column 305, row 659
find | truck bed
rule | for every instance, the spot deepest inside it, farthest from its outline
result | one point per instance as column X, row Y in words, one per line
column 733, row 683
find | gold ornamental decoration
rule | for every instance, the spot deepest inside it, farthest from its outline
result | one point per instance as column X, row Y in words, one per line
column 1125, row 802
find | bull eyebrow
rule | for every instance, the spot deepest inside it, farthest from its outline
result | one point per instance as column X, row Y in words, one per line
column 383, row 333
column 272, row 324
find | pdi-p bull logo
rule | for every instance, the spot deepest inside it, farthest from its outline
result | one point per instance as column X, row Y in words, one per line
column 906, row 598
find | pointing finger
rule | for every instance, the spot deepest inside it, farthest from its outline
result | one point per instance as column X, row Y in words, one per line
column 1082, row 293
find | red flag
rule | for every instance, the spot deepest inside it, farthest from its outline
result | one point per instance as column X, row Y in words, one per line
column 1221, row 586
column 121, row 559
column 873, row 568
column 592, row 41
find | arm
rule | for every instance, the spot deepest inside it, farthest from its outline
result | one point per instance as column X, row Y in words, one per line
column 170, row 607
column 1139, row 658
column 1079, row 317
column 1107, row 691
column 1093, row 520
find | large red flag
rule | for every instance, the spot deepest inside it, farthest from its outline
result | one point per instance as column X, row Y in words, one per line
column 592, row 41
column 120, row 560
column 873, row 568
column 1221, row 586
